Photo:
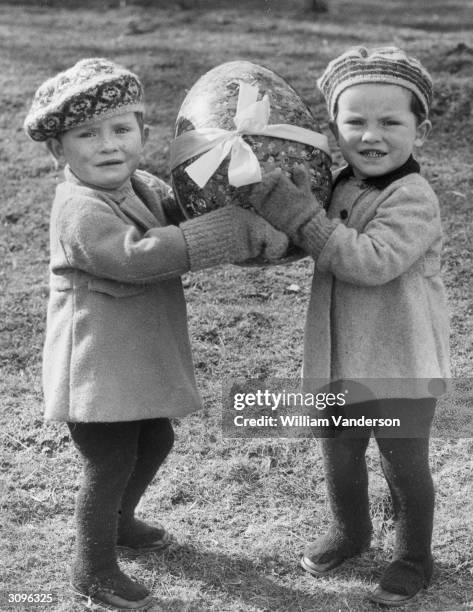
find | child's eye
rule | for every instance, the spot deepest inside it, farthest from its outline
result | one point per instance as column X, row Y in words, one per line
column 86, row 134
column 354, row 122
column 389, row 122
column 122, row 130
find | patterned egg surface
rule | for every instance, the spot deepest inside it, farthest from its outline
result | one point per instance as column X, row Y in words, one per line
column 212, row 103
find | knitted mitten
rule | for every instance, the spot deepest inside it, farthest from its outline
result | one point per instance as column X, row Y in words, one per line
column 347, row 489
column 231, row 235
column 406, row 469
column 108, row 455
column 155, row 440
column 291, row 207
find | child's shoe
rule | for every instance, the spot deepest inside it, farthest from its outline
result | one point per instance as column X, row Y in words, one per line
column 141, row 537
column 331, row 550
column 113, row 591
column 401, row 582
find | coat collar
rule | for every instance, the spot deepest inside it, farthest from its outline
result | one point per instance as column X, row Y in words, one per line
column 116, row 194
column 381, row 182
column 126, row 197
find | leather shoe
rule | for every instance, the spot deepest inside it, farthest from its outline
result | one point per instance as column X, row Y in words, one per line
column 386, row 598
column 317, row 569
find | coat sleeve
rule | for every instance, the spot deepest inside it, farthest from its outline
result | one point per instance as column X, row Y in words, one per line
column 95, row 240
column 406, row 224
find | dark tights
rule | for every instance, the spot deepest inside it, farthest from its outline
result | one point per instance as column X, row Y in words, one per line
column 119, row 461
column 405, row 464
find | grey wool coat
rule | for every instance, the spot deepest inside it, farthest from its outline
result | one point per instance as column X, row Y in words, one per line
column 117, row 345
column 378, row 306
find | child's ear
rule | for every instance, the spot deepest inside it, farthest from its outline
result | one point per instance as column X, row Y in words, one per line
column 145, row 134
column 56, row 151
column 422, row 131
column 55, row 147
column 333, row 128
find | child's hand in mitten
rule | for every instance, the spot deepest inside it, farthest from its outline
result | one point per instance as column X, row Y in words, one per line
column 231, row 235
column 287, row 204
column 258, row 238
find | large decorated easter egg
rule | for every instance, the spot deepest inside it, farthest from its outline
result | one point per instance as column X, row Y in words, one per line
column 211, row 106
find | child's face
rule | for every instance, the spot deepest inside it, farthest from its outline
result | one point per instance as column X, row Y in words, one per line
column 105, row 153
column 376, row 128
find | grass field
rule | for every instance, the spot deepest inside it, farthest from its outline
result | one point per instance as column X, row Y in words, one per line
column 241, row 510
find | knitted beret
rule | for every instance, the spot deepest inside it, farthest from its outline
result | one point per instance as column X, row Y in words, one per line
column 387, row 65
column 93, row 88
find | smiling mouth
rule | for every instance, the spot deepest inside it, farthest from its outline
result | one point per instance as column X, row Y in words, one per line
column 372, row 154
column 110, row 163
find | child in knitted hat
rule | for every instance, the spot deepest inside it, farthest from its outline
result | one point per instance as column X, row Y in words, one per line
column 378, row 310
column 117, row 361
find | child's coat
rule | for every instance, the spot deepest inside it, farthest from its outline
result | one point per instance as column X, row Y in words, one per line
column 117, row 345
column 378, row 305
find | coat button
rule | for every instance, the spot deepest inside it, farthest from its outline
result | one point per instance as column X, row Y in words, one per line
column 343, row 214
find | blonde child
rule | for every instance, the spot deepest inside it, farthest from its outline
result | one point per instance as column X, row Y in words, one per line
column 378, row 306
column 117, row 360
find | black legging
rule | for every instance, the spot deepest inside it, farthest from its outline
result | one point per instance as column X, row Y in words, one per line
column 405, row 464
column 119, row 461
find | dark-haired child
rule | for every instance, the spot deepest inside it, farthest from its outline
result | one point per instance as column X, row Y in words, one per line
column 378, row 305
column 117, row 361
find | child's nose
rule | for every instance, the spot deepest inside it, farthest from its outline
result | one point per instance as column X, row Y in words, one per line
column 108, row 143
column 371, row 134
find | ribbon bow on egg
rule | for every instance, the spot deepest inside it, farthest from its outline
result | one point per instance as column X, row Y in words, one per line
column 215, row 144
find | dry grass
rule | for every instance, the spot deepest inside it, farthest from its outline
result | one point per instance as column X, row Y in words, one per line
column 241, row 510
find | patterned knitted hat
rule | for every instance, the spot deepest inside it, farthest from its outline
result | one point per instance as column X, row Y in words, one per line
column 93, row 88
column 383, row 65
